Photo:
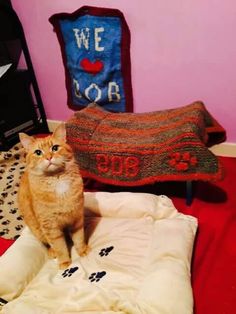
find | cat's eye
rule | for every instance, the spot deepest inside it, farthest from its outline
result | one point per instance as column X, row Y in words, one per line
column 38, row 152
column 55, row 148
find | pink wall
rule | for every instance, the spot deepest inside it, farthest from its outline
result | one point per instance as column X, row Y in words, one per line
column 181, row 51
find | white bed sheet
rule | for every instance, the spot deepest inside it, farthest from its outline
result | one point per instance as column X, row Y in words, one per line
column 141, row 249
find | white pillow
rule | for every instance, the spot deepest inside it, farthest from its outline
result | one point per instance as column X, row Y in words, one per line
column 129, row 205
column 24, row 259
column 19, row 264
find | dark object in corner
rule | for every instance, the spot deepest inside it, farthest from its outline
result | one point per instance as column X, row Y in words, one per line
column 21, row 107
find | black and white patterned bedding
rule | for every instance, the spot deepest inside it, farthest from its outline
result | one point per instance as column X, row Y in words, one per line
column 12, row 165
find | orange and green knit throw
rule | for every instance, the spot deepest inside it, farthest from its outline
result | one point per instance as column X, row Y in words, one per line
column 131, row 149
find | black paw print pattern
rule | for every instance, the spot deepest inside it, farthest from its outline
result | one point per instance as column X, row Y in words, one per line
column 12, row 210
column 17, row 156
column 106, row 251
column 19, row 227
column 97, row 276
column 69, row 271
column 12, row 165
column 4, row 232
column 4, row 194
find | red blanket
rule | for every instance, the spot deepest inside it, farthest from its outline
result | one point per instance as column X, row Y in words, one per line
column 4, row 245
column 214, row 259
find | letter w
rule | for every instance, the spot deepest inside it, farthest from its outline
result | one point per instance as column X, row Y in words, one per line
column 82, row 37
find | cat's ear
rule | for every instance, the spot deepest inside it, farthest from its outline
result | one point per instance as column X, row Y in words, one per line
column 60, row 132
column 26, row 140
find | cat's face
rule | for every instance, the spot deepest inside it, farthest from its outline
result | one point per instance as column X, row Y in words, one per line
column 47, row 155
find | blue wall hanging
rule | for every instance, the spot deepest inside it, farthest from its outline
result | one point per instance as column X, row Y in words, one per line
column 95, row 46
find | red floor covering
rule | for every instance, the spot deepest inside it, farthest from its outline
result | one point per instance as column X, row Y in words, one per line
column 214, row 257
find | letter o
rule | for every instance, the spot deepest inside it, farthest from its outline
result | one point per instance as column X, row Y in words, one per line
column 93, row 86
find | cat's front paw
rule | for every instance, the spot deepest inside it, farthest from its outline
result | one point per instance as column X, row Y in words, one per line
column 64, row 265
column 83, row 250
column 51, row 253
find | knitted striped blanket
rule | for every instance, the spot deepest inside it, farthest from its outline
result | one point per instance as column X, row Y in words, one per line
column 131, row 149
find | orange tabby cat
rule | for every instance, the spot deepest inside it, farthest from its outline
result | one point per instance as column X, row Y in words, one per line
column 50, row 196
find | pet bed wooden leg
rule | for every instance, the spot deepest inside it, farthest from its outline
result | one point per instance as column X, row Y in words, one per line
column 189, row 193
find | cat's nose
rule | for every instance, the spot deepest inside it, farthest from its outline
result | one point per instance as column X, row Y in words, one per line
column 49, row 157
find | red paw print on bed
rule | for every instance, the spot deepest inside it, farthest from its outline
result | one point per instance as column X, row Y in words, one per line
column 182, row 161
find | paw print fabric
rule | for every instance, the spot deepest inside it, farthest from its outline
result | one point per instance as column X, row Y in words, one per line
column 69, row 271
column 127, row 270
column 117, row 256
column 12, row 165
column 106, row 251
column 94, row 276
column 97, row 276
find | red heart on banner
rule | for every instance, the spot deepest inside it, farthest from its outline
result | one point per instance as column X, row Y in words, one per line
column 91, row 67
